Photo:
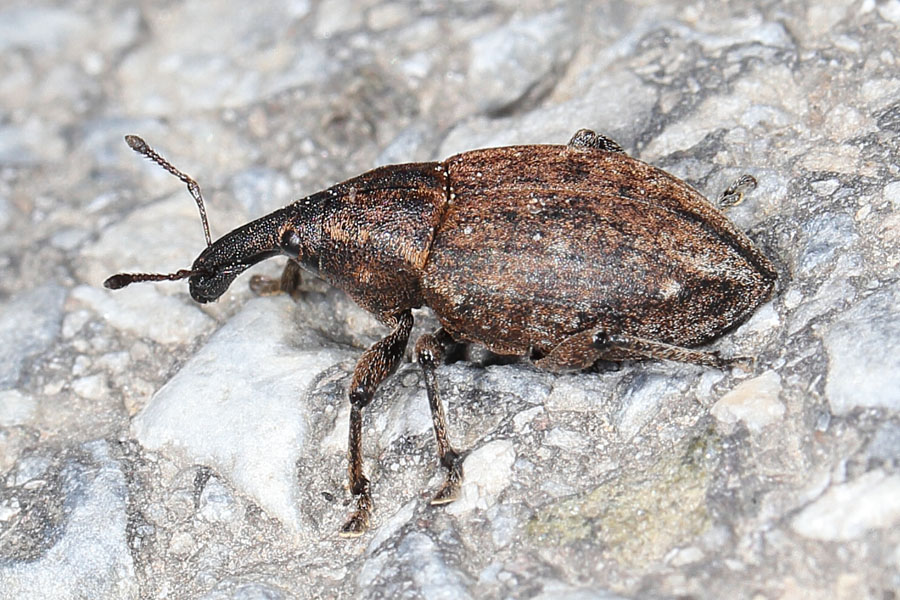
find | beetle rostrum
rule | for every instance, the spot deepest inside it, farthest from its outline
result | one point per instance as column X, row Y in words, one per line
column 565, row 254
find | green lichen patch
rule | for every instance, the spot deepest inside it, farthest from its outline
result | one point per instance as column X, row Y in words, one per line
column 640, row 515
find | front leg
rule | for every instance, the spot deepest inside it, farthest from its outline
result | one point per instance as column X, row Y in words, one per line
column 373, row 367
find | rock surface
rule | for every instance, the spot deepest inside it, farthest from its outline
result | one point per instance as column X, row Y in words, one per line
column 151, row 447
column 67, row 536
column 246, row 424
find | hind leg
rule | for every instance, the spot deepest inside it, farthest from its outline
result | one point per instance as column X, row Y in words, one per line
column 587, row 139
column 734, row 193
column 581, row 350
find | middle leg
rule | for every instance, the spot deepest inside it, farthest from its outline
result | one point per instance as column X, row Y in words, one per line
column 429, row 352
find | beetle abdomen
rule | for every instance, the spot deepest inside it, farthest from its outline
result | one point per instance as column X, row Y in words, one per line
column 543, row 242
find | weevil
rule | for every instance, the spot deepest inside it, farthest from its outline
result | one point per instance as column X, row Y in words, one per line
column 563, row 254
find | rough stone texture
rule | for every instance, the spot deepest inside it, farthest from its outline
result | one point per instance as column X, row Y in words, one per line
column 84, row 553
column 847, row 511
column 754, row 401
column 864, row 354
column 258, row 429
column 29, row 324
column 154, row 448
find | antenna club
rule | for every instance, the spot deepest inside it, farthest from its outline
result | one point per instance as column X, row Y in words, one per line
column 136, row 143
column 118, row 281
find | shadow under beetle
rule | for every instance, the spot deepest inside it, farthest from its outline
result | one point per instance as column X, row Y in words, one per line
column 564, row 254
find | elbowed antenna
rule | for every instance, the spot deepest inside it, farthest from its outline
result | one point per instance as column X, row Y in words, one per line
column 120, row 280
column 141, row 147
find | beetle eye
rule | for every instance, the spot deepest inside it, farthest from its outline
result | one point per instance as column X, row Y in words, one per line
column 290, row 243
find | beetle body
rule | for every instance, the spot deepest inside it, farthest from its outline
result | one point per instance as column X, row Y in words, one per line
column 518, row 248
column 567, row 254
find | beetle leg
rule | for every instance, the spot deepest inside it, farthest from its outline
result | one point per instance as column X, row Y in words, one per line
column 662, row 351
column 429, row 352
column 734, row 193
column 373, row 367
column 585, row 138
column 582, row 349
column 574, row 353
column 289, row 282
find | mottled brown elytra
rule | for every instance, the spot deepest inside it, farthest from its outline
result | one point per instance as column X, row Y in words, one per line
column 564, row 254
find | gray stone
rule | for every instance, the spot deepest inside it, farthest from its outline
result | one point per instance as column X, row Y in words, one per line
column 825, row 235
column 419, row 561
column 40, row 28
column 213, row 71
column 54, row 30
column 234, row 406
column 337, row 17
column 91, row 387
column 217, row 503
column 241, row 590
column 29, row 323
column 556, row 590
column 846, row 511
column 144, row 311
column 16, row 408
column 612, row 114
column 490, row 472
column 27, row 469
column 863, row 348
column 5, row 211
column 518, row 57
column 644, row 394
column 754, row 401
column 87, row 555
column 171, row 226
column 885, row 445
column 403, row 148
column 260, row 190
column 29, row 143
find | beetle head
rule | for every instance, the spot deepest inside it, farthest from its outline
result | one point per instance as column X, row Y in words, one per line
column 222, row 261
column 208, row 281
column 235, row 252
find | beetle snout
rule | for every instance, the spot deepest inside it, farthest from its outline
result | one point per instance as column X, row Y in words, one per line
column 218, row 266
column 208, row 287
